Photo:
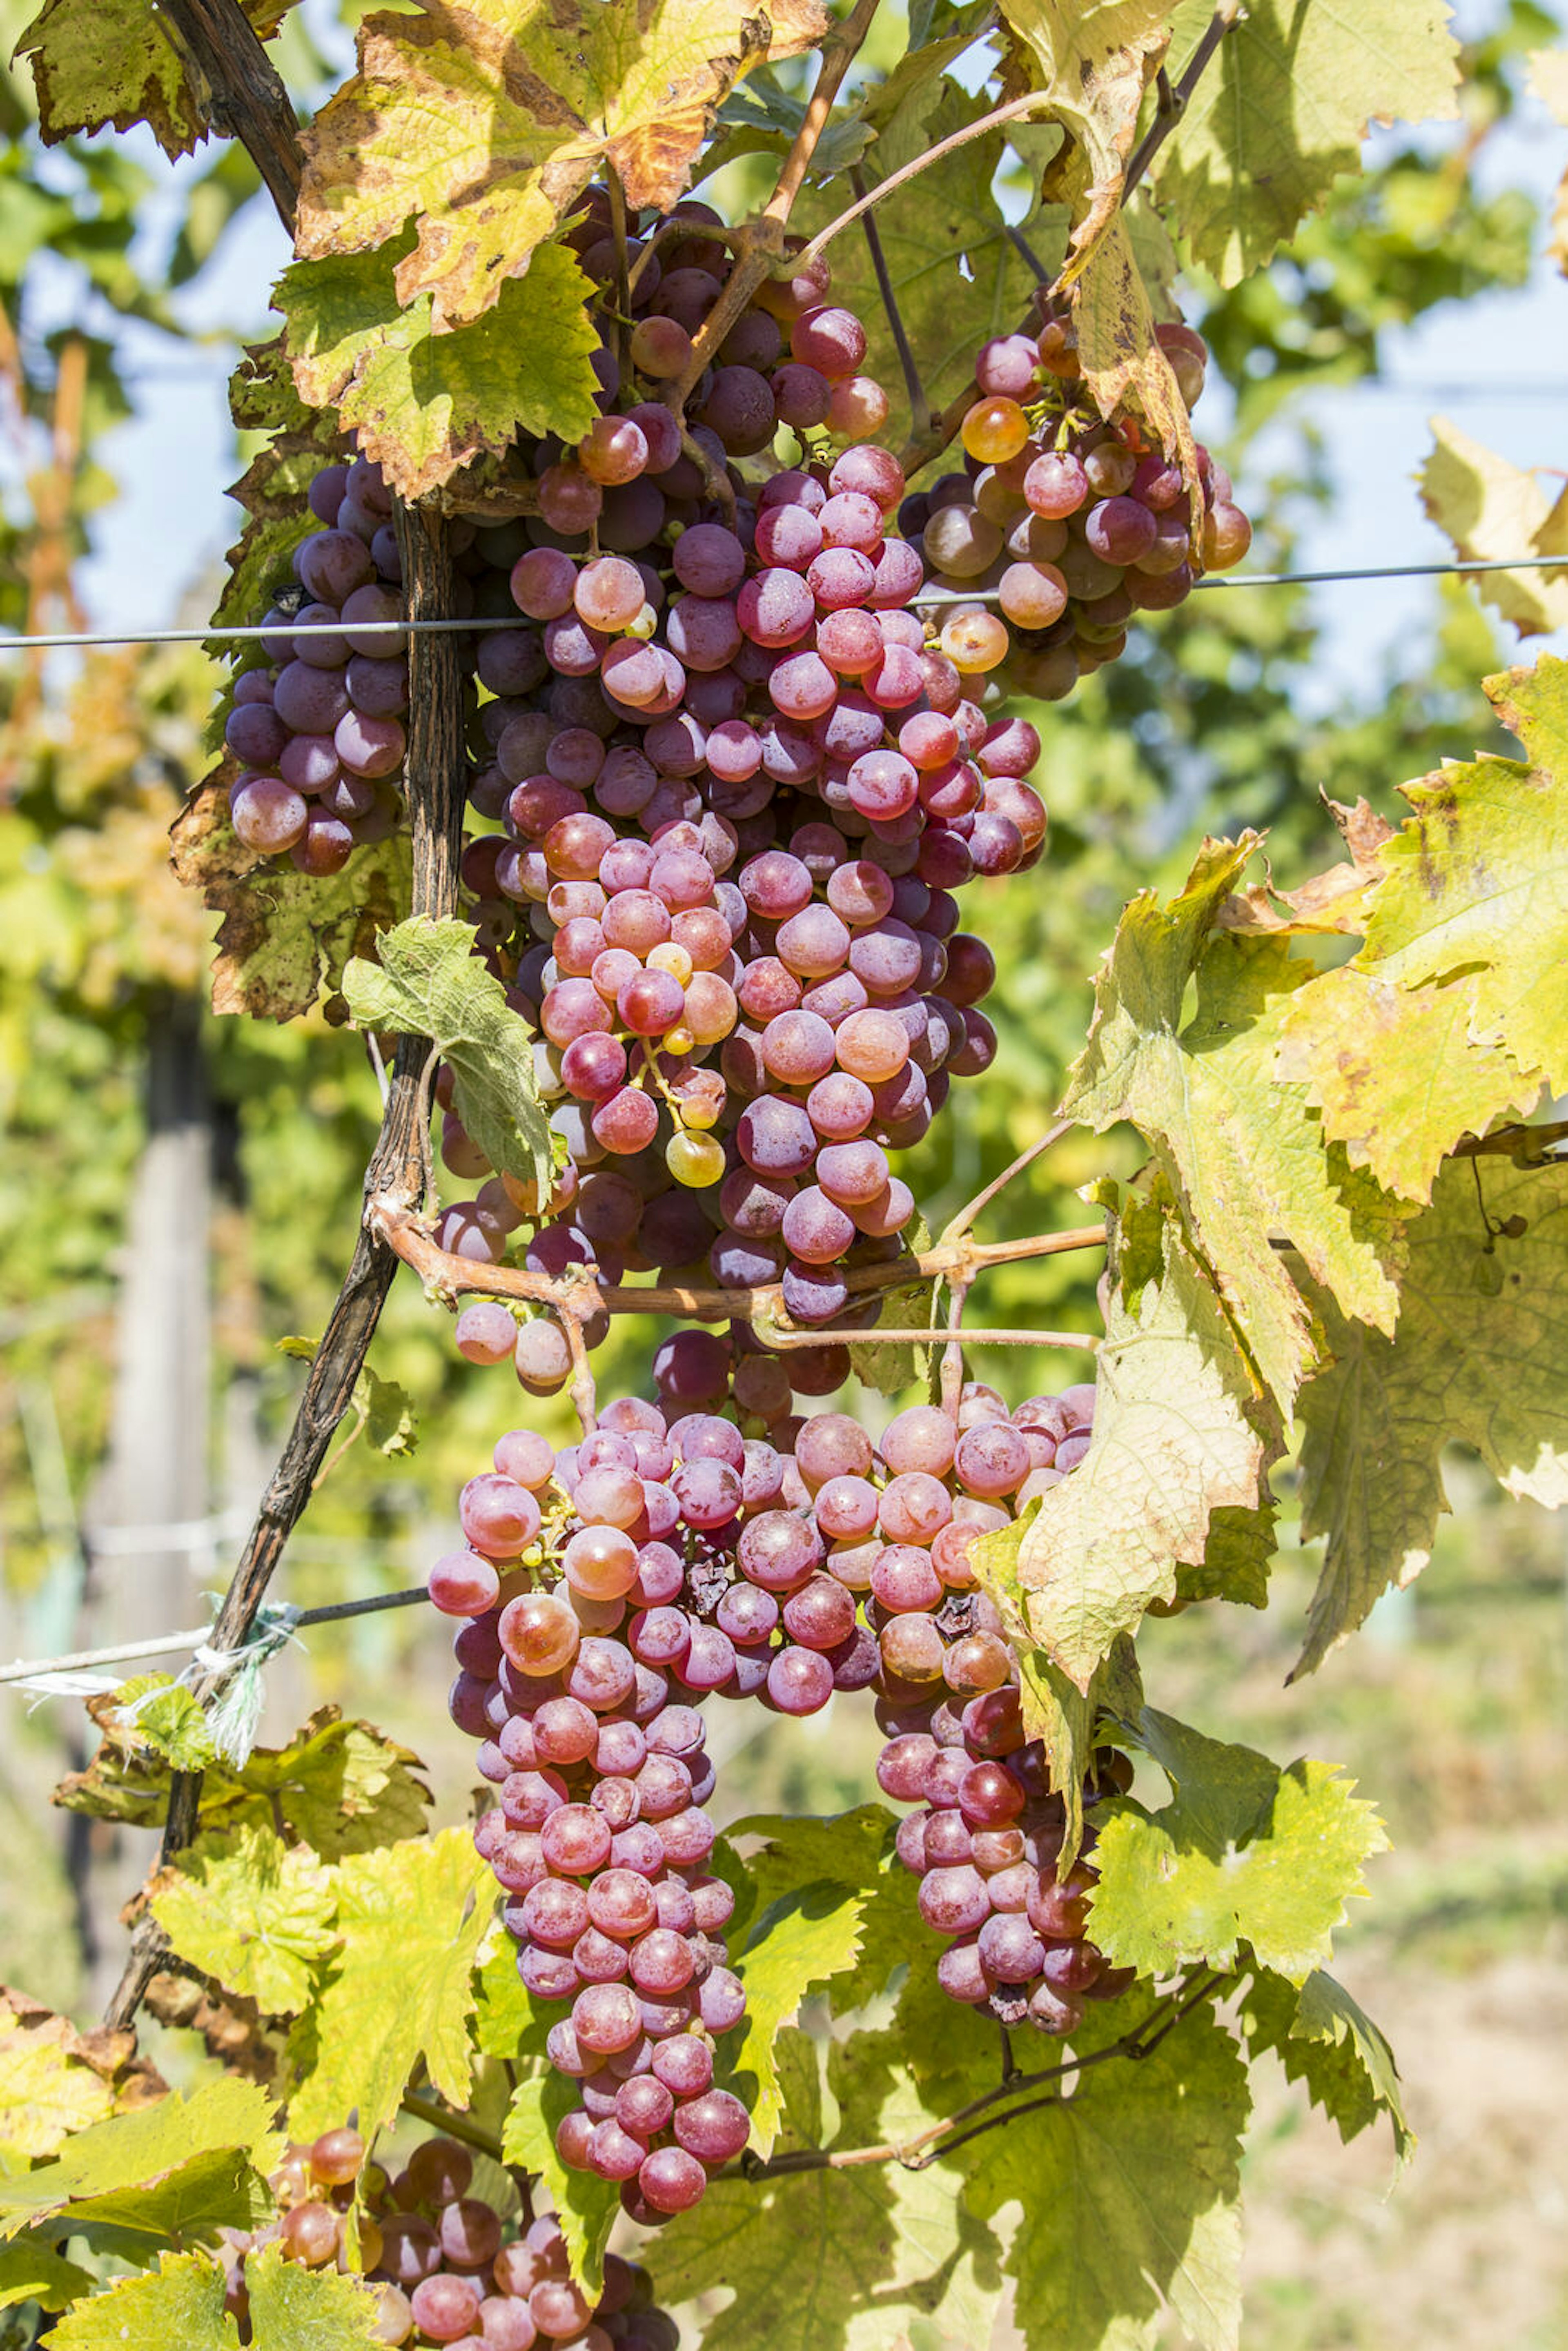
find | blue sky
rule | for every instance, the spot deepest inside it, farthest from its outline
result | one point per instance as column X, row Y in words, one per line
column 157, row 545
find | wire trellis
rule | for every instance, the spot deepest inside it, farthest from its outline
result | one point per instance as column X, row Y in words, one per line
column 85, row 638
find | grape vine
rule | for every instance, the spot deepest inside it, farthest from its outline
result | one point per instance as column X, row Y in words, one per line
column 641, row 723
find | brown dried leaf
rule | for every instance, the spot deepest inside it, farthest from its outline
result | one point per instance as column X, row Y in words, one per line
column 1334, row 901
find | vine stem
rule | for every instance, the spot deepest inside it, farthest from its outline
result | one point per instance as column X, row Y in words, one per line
column 1012, row 111
column 249, row 100
column 758, row 248
column 1171, row 104
column 976, row 1208
column 409, row 1236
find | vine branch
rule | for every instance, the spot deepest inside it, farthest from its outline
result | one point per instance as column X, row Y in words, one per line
column 1171, row 104
column 1029, row 103
column 252, row 102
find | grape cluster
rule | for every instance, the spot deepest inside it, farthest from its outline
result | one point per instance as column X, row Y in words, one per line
column 445, row 2273
column 609, row 1587
column 317, row 727
column 599, row 1839
column 1074, row 523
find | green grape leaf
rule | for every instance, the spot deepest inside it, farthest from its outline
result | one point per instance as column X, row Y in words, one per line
column 833, row 2260
column 191, row 2205
column 1128, row 2195
column 342, row 1786
column 1281, row 111
column 1476, row 882
column 411, row 1917
column 1489, row 508
column 1176, row 1441
column 1093, row 66
column 424, row 403
column 125, row 2151
column 169, row 1718
column 257, row 1914
column 296, row 2309
column 429, row 983
column 504, row 2012
column 35, row 2273
column 761, row 117
column 285, row 936
column 890, row 1366
column 483, row 124
column 392, row 1424
column 1244, row 1155
column 957, row 275
column 181, row 2302
column 1245, row 1853
column 804, row 1939
column 586, row 2206
column 1480, row 1365
column 1323, row 2039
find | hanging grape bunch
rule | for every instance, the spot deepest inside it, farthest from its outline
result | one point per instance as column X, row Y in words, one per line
column 439, row 2260
column 1075, row 522
column 610, row 1588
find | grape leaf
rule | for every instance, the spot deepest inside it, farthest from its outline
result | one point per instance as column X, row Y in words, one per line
column 411, row 1917
column 1487, row 508
column 296, row 2309
column 1094, row 64
column 1476, row 879
column 285, row 936
column 1326, row 904
column 1128, row 2195
column 242, row 1905
column 55, row 2081
column 483, row 122
column 422, row 403
column 126, row 2150
column 831, row 2260
column 33, row 2273
column 805, row 1939
column 586, row 2206
column 1395, row 1071
column 429, row 983
column 181, row 2302
column 956, row 273
column 1281, row 111
column 1123, row 363
column 169, row 1718
column 1177, row 1440
column 1322, row 2037
column 1244, row 1854
column 1478, row 1356
column 191, row 2205
column 116, row 63
column 341, row 1785
column 1244, row 1155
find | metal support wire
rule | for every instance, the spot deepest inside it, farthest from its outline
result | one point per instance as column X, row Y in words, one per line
column 162, row 1644
column 90, row 637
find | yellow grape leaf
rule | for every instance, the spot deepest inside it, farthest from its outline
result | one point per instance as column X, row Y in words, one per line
column 1489, row 508
column 181, row 2302
column 422, row 405
column 242, row 1905
column 484, row 121
column 1283, row 109
column 1245, row 1156
column 1395, row 1073
column 411, row 1917
column 46, row 2092
column 1094, row 63
column 1329, row 903
column 1477, row 1357
column 1177, row 1439
column 1476, row 882
column 117, row 63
